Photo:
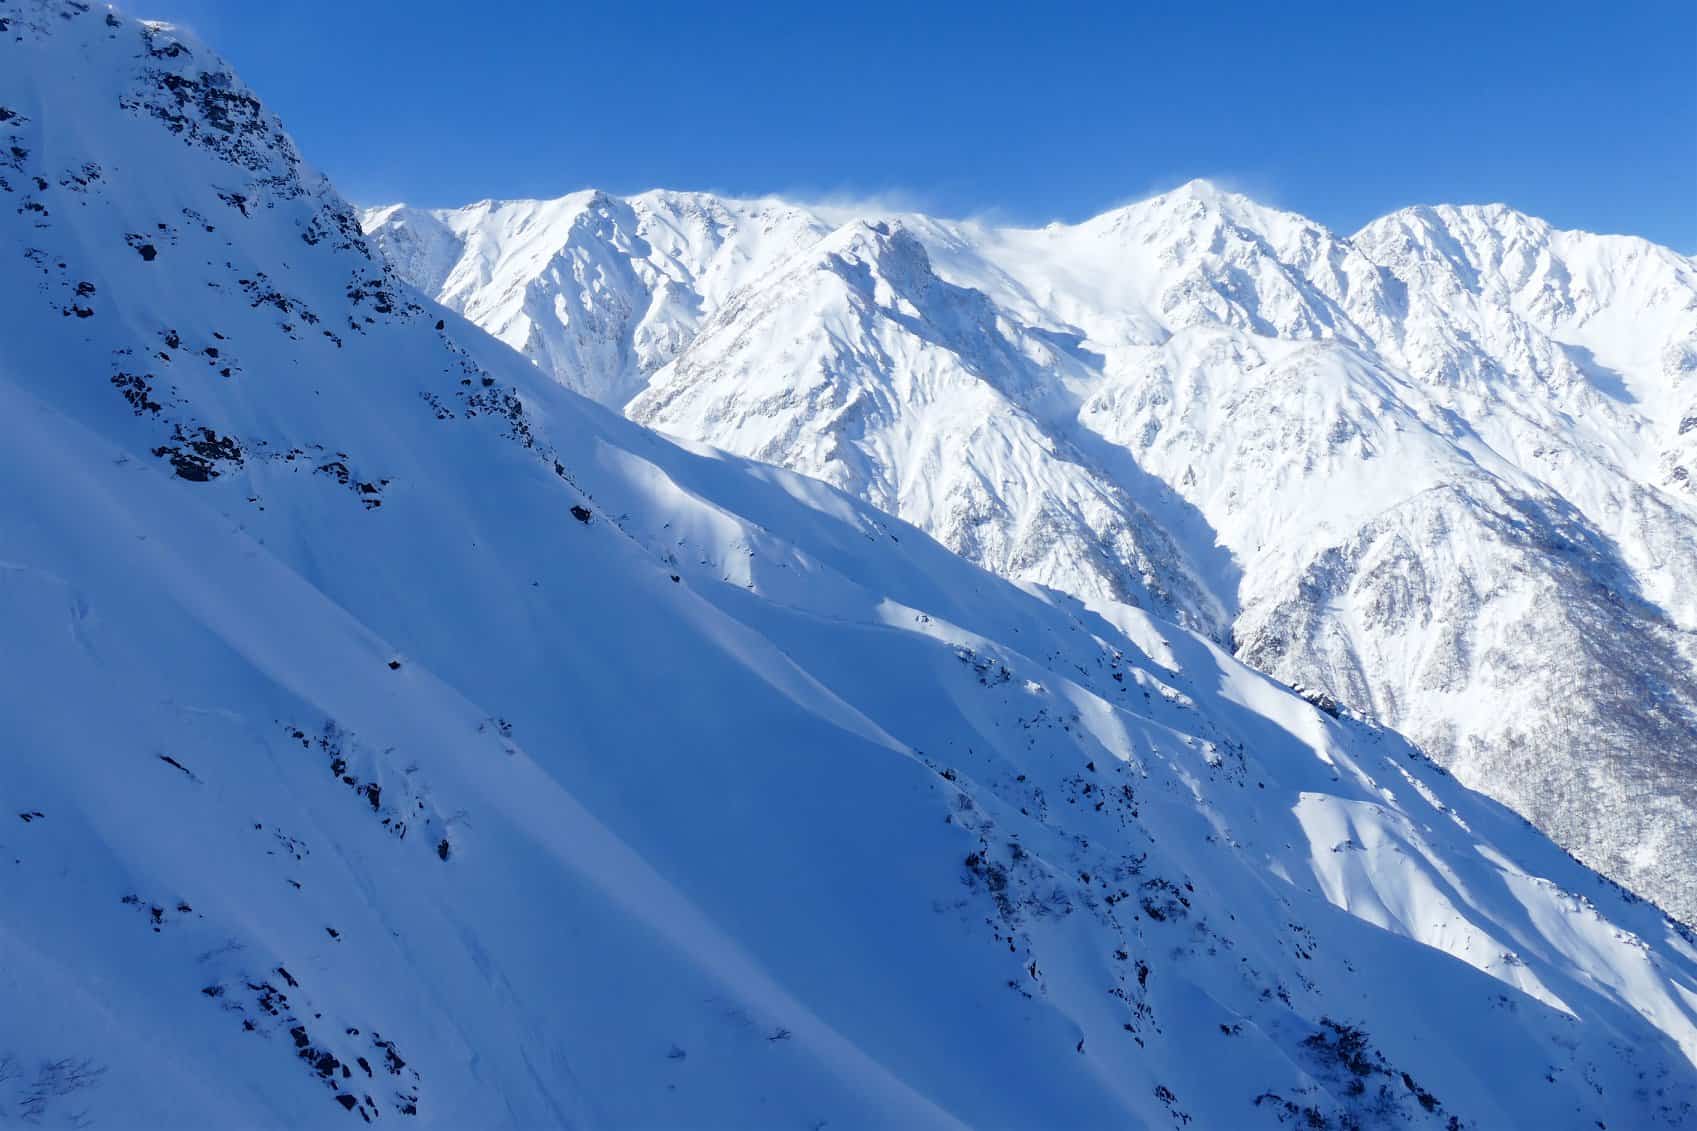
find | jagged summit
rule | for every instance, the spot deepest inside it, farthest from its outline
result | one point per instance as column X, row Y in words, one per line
column 1193, row 198
column 1507, row 222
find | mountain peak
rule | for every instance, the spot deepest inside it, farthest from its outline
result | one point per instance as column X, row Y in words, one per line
column 1202, row 188
column 1498, row 218
column 1196, row 209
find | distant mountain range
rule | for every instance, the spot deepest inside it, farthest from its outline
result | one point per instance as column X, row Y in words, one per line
column 1441, row 471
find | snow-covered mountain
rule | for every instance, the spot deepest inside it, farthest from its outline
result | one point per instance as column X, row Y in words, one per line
column 394, row 735
column 592, row 285
column 1444, row 471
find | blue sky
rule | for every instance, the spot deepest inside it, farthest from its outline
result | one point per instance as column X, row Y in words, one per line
column 1585, row 114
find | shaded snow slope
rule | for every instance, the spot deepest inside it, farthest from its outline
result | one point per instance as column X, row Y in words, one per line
column 1441, row 470
column 395, row 735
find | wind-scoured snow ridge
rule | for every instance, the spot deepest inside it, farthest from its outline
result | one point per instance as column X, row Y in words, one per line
column 394, row 735
column 1444, row 471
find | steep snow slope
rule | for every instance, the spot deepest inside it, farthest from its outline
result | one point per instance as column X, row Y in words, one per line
column 393, row 734
column 1440, row 471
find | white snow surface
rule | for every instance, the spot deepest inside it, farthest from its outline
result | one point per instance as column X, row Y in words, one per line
column 1444, row 470
column 392, row 734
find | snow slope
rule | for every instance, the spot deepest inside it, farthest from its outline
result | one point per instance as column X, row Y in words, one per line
column 392, row 734
column 1441, row 471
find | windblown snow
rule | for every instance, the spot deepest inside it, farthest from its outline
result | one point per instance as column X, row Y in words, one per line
column 394, row 735
column 1441, row 471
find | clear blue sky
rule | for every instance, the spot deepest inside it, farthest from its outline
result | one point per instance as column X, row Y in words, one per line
column 1583, row 113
